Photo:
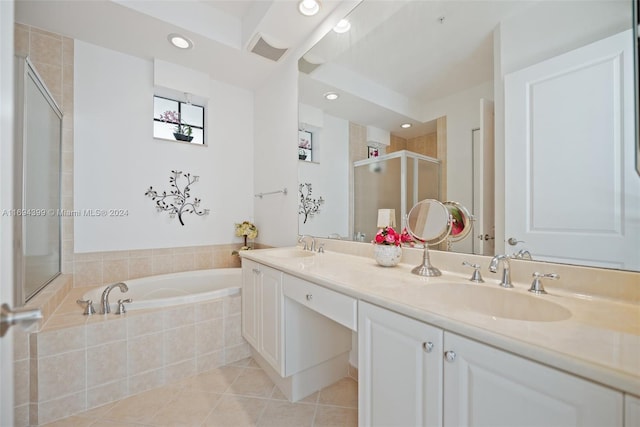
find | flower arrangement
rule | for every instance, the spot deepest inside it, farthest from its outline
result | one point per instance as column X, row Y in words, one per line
column 174, row 118
column 389, row 236
column 247, row 230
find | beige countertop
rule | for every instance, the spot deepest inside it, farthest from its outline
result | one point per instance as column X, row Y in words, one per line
column 600, row 340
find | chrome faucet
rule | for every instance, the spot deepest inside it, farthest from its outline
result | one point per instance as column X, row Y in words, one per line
column 506, row 275
column 306, row 247
column 104, row 300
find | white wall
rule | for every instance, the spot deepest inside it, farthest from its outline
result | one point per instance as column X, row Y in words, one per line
column 329, row 176
column 116, row 158
column 276, row 157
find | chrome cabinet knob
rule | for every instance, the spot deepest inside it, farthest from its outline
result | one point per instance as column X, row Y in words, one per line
column 450, row 355
column 427, row 346
column 309, row 297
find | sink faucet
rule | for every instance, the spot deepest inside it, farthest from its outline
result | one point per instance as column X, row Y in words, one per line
column 104, row 300
column 306, row 247
column 506, row 275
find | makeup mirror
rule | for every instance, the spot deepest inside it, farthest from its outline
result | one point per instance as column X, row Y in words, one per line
column 429, row 222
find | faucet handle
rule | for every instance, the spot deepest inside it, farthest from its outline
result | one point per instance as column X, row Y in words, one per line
column 88, row 309
column 121, row 302
column 475, row 276
column 536, row 285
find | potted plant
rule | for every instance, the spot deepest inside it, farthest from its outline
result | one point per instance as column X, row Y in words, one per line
column 301, row 154
column 387, row 249
column 182, row 131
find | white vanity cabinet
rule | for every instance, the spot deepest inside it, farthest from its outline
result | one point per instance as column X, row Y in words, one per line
column 300, row 332
column 405, row 381
column 484, row 386
column 631, row 411
column 399, row 370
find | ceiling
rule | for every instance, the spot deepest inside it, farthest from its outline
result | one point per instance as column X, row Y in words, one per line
column 402, row 55
column 222, row 31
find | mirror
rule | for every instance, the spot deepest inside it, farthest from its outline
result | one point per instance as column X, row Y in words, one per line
column 440, row 67
column 429, row 221
column 461, row 221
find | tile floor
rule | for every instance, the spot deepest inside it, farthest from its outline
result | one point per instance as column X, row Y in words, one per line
column 235, row 395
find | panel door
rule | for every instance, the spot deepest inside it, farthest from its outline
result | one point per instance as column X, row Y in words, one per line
column 574, row 109
column 399, row 368
column 485, row 386
column 271, row 324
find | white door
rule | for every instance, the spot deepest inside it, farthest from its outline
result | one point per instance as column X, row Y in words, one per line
column 483, row 182
column 488, row 387
column 574, row 110
column 399, row 369
column 6, row 202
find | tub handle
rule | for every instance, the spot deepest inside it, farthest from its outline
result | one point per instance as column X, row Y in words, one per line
column 88, row 309
column 121, row 302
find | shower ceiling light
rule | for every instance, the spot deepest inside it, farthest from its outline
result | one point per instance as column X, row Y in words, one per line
column 405, row 125
column 181, row 42
column 342, row 27
column 309, row 7
column 331, row 96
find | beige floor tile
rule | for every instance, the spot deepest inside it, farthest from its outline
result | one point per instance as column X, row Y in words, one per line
column 142, row 407
column 99, row 411
column 333, row 416
column 215, row 381
column 342, row 393
column 252, row 383
column 285, row 414
column 107, row 423
column 74, row 421
column 236, row 411
column 187, row 409
column 277, row 395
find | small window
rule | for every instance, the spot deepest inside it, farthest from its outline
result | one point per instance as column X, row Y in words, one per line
column 178, row 121
column 305, row 149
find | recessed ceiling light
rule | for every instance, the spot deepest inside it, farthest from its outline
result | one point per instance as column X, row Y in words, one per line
column 343, row 26
column 331, row 96
column 405, row 125
column 181, row 42
column 309, row 7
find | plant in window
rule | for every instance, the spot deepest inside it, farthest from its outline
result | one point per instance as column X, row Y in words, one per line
column 182, row 130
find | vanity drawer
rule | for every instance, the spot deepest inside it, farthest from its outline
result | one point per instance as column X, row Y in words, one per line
column 334, row 305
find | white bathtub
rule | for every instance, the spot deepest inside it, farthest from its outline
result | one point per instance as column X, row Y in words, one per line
column 172, row 289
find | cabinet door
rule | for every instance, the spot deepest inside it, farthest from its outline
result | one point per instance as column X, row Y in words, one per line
column 485, row 386
column 631, row 411
column 270, row 323
column 250, row 301
column 400, row 370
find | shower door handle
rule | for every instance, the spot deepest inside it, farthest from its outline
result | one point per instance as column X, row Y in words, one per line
column 22, row 316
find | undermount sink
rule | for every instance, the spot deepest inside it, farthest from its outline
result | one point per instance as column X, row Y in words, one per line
column 290, row 253
column 503, row 303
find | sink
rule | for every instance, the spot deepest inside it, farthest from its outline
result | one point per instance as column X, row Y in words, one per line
column 503, row 303
column 290, row 253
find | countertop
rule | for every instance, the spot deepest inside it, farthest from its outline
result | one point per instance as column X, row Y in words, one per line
column 600, row 340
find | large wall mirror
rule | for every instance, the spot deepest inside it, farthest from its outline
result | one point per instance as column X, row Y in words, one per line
column 525, row 107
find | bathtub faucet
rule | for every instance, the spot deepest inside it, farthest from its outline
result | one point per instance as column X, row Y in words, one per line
column 104, row 301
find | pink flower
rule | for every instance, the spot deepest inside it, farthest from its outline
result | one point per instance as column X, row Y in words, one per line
column 379, row 238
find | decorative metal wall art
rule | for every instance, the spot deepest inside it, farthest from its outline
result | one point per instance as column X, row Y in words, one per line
column 178, row 200
column 308, row 206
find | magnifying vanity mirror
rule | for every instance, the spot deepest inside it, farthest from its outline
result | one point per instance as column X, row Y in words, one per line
column 461, row 221
column 429, row 222
column 458, row 75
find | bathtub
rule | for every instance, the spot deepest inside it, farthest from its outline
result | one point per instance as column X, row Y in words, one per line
column 172, row 289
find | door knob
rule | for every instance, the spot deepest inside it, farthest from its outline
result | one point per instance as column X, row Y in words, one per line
column 450, row 355
column 513, row 241
column 24, row 317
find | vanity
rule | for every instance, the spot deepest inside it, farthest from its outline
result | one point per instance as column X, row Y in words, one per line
column 442, row 350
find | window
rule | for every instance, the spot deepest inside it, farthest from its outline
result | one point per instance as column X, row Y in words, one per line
column 183, row 121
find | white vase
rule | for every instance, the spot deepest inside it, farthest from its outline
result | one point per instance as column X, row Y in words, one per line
column 387, row 255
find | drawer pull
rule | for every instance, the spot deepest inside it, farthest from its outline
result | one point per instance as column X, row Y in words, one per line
column 309, row 297
column 450, row 355
column 256, row 271
column 427, row 346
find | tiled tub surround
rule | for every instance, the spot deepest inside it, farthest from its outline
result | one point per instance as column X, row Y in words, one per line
column 600, row 341
column 80, row 362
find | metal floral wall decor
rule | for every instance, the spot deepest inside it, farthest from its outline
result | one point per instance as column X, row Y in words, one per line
column 308, row 206
column 178, row 200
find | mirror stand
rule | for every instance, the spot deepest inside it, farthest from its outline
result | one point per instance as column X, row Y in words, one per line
column 426, row 269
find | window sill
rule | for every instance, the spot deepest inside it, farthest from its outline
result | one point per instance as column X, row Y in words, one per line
column 181, row 142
